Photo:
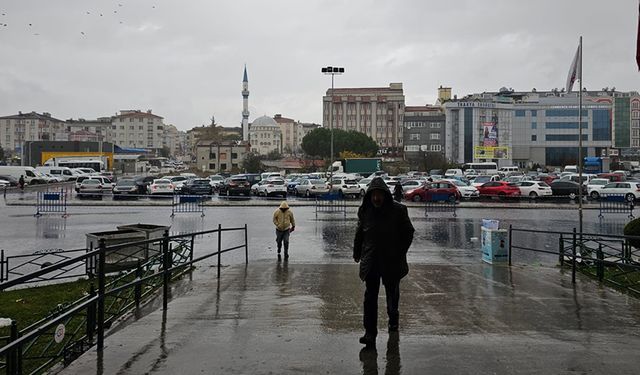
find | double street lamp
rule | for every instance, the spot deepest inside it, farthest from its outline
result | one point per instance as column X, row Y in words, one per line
column 332, row 71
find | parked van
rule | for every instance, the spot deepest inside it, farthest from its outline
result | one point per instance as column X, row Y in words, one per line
column 453, row 173
column 507, row 170
column 29, row 173
column 62, row 173
column 571, row 168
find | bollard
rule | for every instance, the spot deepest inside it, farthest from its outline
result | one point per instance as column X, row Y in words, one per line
column 510, row 239
column 101, row 286
column 165, row 266
column 573, row 256
column 219, row 247
column 246, row 246
column 138, row 287
column 91, row 315
column 600, row 263
column 2, row 266
column 561, row 251
column 191, row 250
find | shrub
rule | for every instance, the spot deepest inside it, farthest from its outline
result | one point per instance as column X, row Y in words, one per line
column 633, row 229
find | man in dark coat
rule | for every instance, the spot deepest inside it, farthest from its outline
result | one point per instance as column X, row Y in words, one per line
column 382, row 240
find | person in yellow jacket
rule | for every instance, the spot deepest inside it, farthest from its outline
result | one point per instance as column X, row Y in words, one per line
column 285, row 223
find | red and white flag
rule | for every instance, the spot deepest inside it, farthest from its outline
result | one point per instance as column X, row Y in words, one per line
column 574, row 71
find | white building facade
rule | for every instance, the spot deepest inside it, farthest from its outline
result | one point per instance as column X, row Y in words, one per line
column 265, row 136
column 137, row 129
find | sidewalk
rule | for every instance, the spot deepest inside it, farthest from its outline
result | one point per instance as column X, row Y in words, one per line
column 279, row 318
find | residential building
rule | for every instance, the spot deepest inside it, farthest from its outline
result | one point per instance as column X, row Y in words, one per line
column 528, row 127
column 226, row 156
column 17, row 129
column 626, row 119
column 265, row 136
column 82, row 130
column 170, row 139
column 375, row 111
column 302, row 129
column 289, row 133
column 138, row 129
column 424, row 131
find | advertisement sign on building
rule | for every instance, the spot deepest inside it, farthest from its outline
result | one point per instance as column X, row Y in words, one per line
column 484, row 152
column 490, row 132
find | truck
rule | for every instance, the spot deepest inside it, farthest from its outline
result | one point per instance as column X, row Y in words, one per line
column 362, row 166
column 595, row 164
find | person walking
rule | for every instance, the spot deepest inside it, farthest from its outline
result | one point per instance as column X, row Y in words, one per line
column 383, row 237
column 285, row 223
column 21, row 182
column 398, row 192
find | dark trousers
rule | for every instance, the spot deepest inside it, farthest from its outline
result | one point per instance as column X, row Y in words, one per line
column 392, row 290
column 283, row 236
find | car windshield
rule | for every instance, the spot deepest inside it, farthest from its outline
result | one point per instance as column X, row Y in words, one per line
column 126, row 183
column 598, row 182
column 161, row 182
column 365, row 181
column 276, row 182
column 482, row 179
column 200, row 182
column 238, row 180
column 350, row 182
column 317, row 182
column 543, row 184
column 216, row 178
column 459, row 183
column 90, row 182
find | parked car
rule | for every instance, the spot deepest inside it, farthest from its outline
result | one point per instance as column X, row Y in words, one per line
column 364, row 184
column 311, row 187
column 4, row 183
column 200, row 186
column 235, row 185
column 484, row 178
column 293, row 182
column 10, row 179
column 143, row 182
column 125, row 188
column 612, row 177
column 215, row 181
column 411, row 184
column 546, row 178
column 534, row 189
column 391, row 181
column 566, row 188
column 104, row 182
column 453, row 172
column 595, row 185
column 630, row 190
column 438, row 190
column 252, row 177
column 90, row 188
column 161, row 186
column 272, row 187
column 466, row 189
column 344, row 186
column 177, row 181
column 499, row 189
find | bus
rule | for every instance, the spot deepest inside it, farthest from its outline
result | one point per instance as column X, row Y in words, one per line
column 482, row 168
column 96, row 164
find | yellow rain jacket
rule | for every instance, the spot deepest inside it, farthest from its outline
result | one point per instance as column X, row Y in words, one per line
column 283, row 219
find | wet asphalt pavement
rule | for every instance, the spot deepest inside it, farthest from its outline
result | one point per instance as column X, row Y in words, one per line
column 458, row 315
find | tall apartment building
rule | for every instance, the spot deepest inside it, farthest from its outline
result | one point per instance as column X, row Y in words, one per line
column 626, row 117
column 289, row 133
column 82, row 130
column 424, row 131
column 529, row 127
column 170, row 139
column 138, row 129
column 375, row 111
column 15, row 130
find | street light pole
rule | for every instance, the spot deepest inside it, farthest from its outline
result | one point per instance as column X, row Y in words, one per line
column 331, row 70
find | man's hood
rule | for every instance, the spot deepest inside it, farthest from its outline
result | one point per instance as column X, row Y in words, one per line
column 284, row 205
column 377, row 184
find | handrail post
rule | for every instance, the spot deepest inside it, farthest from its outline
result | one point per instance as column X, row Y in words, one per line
column 573, row 255
column 91, row 315
column 219, row 247
column 101, row 286
column 138, row 288
column 600, row 264
column 561, row 250
column 165, row 266
column 13, row 365
column 246, row 245
column 192, row 249
column 510, row 239
column 2, row 265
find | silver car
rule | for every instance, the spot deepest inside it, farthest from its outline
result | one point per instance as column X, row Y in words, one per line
column 311, row 187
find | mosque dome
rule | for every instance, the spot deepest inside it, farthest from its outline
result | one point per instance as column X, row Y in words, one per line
column 264, row 121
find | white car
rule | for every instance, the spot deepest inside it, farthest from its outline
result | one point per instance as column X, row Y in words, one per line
column 453, row 172
column 391, row 181
column 534, row 189
column 466, row 190
column 595, row 185
column 411, row 184
column 345, row 186
column 4, row 183
column 273, row 186
column 311, row 187
column 630, row 190
column 161, row 186
column 364, row 184
column 177, row 181
column 105, row 182
column 216, row 180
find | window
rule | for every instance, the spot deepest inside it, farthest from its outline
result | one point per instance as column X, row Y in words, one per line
column 534, row 138
column 414, row 137
column 223, row 166
column 565, row 125
column 435, row 125
column 212, row 155
column 141, row 127
column 534, row 113
column 234, row 155
column 413, row 148
column 435, row 148
column 434, row 136
column 520, row 112
column 564, row 113
column 565, row 137
column 131, row 119
column 212, row 166
column 534, row 125
column 140, row 119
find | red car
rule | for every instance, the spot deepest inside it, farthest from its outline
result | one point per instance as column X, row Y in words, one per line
column 434, row 191
column 499, row 189
column 547, row 178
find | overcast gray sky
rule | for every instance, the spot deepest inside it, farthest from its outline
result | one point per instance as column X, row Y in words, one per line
column 184, row 59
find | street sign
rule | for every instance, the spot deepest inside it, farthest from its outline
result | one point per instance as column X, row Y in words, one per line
column 58, row 336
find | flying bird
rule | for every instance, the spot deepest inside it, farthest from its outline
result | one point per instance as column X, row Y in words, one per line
column 30, row 25
column 119, row 5
column 82, row 32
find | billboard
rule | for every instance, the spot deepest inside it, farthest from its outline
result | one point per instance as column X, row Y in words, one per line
column 490, row 152
column 490, row 132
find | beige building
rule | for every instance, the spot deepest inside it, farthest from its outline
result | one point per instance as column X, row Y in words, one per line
column 82, row 130
column 375, row 111
column 32, row 126
column 221, row 156
column 135, row 128
column 170, row 139
column 265, row 136
column 288, row 130
column 302, row 129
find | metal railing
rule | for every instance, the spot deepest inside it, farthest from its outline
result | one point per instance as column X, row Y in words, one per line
column 51, row 202
column 330, row 203
column 33, row 349
column 615, row 203
column 609, row 258
column 440, row 203
column 188, row 204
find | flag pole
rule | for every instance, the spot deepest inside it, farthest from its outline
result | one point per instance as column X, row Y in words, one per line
column 580, row 158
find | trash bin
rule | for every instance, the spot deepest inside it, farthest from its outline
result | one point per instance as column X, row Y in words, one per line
column 495, row 246
column 151, row 232
column 121, row 259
